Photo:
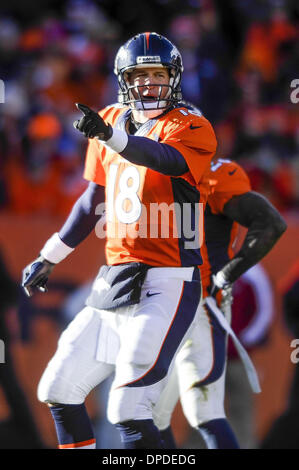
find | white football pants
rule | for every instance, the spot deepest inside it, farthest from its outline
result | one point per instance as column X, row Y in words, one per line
column 138, row 342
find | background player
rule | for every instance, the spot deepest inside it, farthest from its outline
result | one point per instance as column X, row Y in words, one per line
column 144, row 301
column 199, row 375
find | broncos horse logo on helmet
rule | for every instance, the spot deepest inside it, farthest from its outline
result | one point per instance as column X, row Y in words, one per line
column 148, row 50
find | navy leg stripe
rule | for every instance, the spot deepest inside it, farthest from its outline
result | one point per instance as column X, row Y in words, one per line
column 219, row 350
column 183, row 318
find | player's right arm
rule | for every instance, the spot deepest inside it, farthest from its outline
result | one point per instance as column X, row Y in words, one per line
column 265, row 226
column 190, row 146
column 79, row 224
column 233, row 198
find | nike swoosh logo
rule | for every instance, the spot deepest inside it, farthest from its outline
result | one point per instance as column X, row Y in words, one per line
column 232, row 172
column 150, row 294
column 194, row 127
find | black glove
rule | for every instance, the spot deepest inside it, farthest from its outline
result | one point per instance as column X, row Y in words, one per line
column 92, row 125
column 36, row 275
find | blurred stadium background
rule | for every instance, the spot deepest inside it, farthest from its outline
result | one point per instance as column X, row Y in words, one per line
column 240, row 59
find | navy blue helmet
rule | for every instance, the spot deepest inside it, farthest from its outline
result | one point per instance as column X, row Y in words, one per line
column 148, row 50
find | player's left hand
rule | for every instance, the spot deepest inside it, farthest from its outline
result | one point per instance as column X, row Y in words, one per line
column 219, row 282
column 92, row 125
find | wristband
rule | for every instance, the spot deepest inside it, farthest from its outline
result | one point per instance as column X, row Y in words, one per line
column 55, row 250
column 118, row 141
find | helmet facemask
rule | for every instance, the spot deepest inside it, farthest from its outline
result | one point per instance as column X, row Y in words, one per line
column 133, row 95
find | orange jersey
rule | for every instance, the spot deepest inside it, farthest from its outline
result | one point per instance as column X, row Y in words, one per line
column 228, row 180
column 146, row 217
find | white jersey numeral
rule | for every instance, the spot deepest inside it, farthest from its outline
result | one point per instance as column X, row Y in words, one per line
column 220, row 161
column 129, row 183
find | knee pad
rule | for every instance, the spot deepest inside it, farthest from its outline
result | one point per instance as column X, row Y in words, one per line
column 201, row 404
column 126, row 404
column 167, row 400
column 132, row 403
column 56, row 389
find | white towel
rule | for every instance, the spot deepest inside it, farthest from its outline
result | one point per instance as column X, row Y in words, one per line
column 249, row 367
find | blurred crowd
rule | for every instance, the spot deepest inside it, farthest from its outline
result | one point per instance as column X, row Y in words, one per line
column 240, row 60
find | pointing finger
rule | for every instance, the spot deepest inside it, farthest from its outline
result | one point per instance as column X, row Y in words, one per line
column 84, row 109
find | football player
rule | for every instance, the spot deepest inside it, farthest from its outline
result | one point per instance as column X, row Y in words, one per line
column 199, row 374
column 146, row 152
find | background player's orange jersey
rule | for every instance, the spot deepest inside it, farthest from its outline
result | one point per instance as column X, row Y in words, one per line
column 228, row 180
column 136, row 230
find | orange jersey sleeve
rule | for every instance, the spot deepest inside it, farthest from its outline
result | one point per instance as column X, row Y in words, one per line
column 193, row 136
column 231, row 180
